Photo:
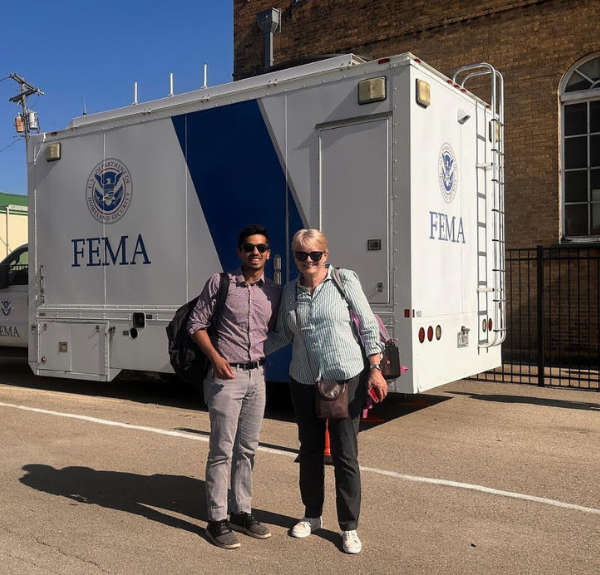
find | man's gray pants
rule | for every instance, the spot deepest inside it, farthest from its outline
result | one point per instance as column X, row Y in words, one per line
column 236, row 408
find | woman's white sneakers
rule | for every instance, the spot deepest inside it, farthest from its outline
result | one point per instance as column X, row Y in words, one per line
column 352, row 543
column 306, row 526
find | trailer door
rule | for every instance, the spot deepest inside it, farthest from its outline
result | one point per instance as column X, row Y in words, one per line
column 354, row 200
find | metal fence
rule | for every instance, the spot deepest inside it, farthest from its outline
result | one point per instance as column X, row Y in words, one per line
column 553, row 313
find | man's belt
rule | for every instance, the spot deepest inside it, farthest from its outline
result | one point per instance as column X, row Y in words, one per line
column 249, row 365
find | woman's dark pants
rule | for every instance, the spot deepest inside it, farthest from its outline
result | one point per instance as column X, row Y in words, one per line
column 343, row 435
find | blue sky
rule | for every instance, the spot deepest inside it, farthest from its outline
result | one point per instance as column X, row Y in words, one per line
column 85, row 52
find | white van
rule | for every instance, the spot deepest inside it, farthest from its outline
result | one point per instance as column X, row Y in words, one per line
column 13, row 298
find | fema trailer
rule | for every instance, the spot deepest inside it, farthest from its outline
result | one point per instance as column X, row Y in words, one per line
column 133, row 209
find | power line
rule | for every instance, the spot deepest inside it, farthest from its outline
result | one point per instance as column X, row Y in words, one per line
column 11, row 144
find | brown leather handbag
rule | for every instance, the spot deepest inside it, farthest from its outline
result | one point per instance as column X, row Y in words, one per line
column 332, row 399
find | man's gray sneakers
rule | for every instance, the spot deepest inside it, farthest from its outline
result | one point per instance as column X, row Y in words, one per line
column 221, row 534
column 245, row 523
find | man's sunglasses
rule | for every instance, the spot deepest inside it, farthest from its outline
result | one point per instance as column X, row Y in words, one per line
column 314, row 256
column 249, row 248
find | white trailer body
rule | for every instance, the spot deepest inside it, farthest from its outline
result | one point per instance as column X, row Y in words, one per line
column 132, row 210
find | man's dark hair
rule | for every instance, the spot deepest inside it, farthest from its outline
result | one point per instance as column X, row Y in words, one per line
column 250, row 231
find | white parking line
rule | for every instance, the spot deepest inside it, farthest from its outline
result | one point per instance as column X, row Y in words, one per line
column 414, row 478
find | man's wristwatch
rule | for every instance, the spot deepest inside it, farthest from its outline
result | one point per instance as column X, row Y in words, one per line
column 375, row 366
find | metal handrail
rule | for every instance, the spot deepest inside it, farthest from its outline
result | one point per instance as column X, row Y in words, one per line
column 498, row 233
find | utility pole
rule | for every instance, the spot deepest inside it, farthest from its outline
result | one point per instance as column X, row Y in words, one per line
column 30, row 121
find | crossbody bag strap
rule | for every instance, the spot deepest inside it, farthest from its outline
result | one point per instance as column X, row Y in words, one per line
column 336, row 276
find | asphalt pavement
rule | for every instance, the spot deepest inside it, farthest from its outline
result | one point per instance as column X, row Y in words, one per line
column 470, row 478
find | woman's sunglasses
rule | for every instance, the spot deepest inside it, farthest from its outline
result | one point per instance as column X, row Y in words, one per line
column 314, row 256
column 248, row 248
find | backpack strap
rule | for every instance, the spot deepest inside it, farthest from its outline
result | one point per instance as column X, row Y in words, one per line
column 222, row 294
column 221, row 299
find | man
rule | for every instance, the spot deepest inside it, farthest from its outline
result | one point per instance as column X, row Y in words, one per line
column 234, row 388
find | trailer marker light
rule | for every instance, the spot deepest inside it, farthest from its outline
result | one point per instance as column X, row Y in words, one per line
column 372, row 90
column 429, row 333
column 422, row 335
column 423, row 93
column 438, row 332
column 383, row 61
column 484, row 325
column 490, row 325
column 53, row 152
column 494, row 131
column 407, row 313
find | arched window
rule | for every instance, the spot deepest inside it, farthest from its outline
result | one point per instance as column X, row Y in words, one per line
column 580, row 100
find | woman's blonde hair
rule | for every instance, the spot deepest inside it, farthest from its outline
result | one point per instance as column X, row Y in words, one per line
column 309, row 237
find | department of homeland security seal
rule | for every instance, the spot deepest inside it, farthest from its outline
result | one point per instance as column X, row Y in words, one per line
column 108, row 191
column 6, row 307
column 448, row 172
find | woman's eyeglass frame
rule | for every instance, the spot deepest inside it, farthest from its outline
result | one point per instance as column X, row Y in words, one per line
column 314, row 256
column 249, row 248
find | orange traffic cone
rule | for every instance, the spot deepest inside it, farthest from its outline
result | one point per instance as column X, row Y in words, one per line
column 327, row 453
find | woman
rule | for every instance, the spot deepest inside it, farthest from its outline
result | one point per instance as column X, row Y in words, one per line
column 314, row 316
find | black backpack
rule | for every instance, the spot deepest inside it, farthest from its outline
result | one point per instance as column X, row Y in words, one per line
column 188, row 362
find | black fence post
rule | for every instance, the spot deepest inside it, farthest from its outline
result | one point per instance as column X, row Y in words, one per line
column 540, row 313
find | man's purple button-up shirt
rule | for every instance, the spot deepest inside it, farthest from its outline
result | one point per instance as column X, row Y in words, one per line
column 250, row 311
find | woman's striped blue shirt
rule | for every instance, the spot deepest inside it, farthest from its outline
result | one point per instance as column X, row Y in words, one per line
column 328, row 346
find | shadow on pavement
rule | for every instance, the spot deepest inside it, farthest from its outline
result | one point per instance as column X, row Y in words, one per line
column 151, row 496
column 397, row 405
column 545, row 402
column 167, row 391
column 172, row 392
column 142, row 388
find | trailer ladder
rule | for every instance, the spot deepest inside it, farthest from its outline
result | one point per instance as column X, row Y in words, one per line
column 491, row 283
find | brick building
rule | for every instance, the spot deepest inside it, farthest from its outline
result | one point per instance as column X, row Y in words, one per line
column 549, row 54
column 538, row 46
